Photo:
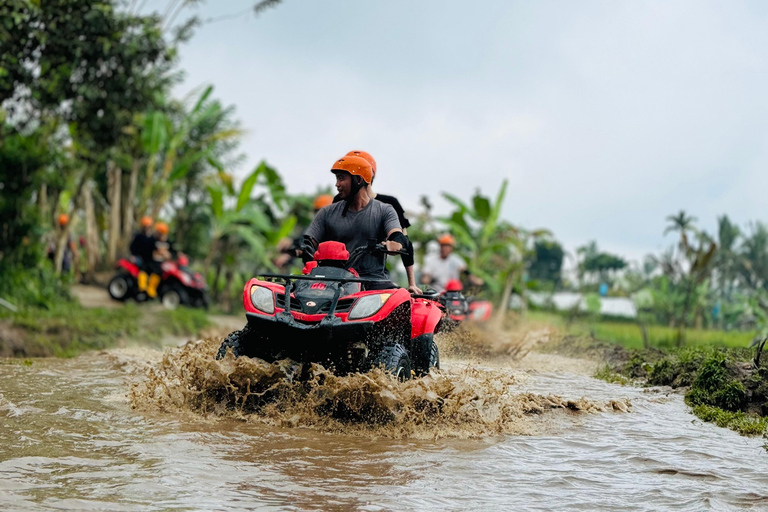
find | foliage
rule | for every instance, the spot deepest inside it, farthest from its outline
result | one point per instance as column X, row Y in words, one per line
column 547, row 262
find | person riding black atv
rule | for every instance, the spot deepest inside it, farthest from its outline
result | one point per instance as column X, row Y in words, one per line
column 326, row 316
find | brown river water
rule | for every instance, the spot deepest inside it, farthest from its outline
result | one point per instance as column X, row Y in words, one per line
column 127, row 429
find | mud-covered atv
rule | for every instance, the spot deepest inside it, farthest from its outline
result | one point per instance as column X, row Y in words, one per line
column 327, row 316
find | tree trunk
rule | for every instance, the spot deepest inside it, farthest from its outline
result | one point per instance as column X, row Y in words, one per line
column 228, row 290
column 61, row 242
column 128, row 210
column 644, row 332
column 42, row 202
column 505, row 297
column 91, row 232
column 114, row 182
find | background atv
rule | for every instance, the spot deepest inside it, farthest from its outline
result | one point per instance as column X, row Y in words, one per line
column 327, row 317
column 178, row 285
column 461, row 308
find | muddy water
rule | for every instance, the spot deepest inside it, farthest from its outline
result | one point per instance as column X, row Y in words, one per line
column 70, row 440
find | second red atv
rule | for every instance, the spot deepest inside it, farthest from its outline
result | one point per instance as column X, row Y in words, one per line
column 460, row 308
column 326, row 316
column 178, row 285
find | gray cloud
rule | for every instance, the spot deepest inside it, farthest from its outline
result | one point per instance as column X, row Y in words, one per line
column 604, row 116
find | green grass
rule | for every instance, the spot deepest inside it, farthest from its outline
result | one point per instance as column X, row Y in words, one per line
column 67, row 329
column 628, row 334
column 744, row 424
column 607, row 374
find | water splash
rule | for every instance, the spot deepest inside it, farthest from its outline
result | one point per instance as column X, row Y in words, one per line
column 464, row 402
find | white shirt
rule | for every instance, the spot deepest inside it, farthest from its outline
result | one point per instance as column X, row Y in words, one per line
column 443, row 270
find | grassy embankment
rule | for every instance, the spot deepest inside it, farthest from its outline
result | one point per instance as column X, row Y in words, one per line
column 66, row 329
column 714, row 368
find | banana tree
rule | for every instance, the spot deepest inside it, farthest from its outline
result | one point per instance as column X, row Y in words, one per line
column 494, row 249
column 174, row 141
column 244, row 231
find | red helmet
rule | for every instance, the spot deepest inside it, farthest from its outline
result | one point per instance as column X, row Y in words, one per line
column 454, row 285
column 63, row 219
column 336, row 251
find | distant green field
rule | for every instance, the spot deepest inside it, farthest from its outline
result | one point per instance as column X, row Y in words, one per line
column 629, row 335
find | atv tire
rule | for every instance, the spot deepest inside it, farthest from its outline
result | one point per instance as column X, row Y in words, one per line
column 120, row 286
column 395, row 360
column 174, row 296
column 425, row 354
column 235, row 342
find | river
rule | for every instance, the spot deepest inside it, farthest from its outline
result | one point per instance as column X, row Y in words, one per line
column 70, row 440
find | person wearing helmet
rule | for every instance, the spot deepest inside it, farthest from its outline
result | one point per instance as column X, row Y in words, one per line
column 408, row 260
column 70, row 257
column 142, row 249
column 356, row 219
column 446, row 266
column 160, row 253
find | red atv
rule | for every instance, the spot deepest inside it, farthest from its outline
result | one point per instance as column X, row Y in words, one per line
column 178, row 285
column 461, row 308
column 324, row 316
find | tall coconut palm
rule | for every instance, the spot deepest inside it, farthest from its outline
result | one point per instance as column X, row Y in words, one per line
column 683, row 224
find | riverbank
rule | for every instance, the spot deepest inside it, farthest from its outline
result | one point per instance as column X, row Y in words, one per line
column 68, row 328
column 720, row 383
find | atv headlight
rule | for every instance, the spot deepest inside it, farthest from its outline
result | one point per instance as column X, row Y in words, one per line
column 263, row 299
column 368, row 305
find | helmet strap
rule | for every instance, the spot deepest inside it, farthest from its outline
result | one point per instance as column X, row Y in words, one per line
column 357, row 184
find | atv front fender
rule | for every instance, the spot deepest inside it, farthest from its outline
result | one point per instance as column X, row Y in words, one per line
column 425, row 317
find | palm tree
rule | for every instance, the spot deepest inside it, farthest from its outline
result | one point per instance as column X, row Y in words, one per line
column 683, row 224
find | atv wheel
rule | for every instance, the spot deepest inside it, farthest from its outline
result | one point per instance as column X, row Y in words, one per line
column 425, row 354
column 173, row 297
column 233, row 341
column 395, row 360
column 119, row 287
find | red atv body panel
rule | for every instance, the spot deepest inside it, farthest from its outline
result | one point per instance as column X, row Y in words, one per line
column 425, row 317
column 128, row 266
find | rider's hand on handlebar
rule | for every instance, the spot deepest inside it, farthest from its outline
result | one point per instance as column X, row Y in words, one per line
column 414, row 290
column 391, row 246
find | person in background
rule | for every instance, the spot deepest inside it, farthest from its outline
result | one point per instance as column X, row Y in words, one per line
column 445, row 267
column 161, row 252
column 142, row 249
column 70, row 259
column 408, row 259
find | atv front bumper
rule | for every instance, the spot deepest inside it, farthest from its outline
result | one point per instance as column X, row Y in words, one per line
column 329, row 341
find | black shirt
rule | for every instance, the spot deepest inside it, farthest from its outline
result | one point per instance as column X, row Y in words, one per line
column 143, row 246
column 390, row 200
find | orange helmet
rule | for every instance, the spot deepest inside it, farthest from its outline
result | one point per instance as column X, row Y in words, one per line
column 368, row 158
column 162, row 228
column 146, row 221
column 446, row 239
column 354, row 165
column 322, row 201
column 63, row 219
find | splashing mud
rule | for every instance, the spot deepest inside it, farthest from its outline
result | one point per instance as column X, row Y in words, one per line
column 466, row 402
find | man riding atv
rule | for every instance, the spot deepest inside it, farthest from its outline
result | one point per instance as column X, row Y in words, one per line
column 356, row 220
column 342, row 312
column 404, row 222
column 439, row 271
column 142, row 249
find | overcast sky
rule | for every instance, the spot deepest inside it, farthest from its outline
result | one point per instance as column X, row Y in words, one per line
column 605, row 116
